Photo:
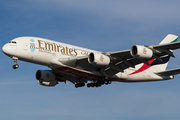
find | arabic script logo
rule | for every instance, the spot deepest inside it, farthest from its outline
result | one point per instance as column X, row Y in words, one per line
column 101, row 58
column 32, row 45
column 144, row 51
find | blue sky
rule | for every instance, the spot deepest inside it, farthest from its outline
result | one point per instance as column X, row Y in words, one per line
column 104, row 25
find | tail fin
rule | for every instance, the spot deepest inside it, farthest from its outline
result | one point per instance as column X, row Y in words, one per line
column 170, row 38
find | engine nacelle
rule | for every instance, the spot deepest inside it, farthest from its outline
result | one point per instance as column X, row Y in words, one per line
column 50, row 84
column 141, row 52
column 98, row 59
column 45, row 75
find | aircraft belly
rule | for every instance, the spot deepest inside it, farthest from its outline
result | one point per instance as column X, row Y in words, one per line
column 78, row 73
column 146, row 78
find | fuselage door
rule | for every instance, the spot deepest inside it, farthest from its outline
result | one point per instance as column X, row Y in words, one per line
column 25, row 46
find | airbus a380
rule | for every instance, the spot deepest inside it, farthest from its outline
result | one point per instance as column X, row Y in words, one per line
column 80, row 65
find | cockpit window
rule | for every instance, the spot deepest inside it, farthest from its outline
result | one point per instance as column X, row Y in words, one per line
column 14, row 42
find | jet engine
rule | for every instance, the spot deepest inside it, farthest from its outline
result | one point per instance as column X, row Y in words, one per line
column 46, row 78
column 141, row 52
column 54, row 83
column 98, row 59
column 45, row 75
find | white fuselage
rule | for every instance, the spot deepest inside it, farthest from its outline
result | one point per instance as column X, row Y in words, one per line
column 46, row 52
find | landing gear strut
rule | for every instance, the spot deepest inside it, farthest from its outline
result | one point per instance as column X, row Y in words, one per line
column 15, row 61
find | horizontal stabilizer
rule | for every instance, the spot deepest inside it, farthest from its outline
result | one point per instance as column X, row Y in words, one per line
column 169, row 72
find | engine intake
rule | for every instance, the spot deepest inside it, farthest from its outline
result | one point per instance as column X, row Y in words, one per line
column 98, row 59
column 141, row 52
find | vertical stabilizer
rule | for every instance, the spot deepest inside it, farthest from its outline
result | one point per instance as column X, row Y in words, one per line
column 170, row 38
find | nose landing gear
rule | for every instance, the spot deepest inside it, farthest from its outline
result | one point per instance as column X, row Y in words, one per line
column 15, row 61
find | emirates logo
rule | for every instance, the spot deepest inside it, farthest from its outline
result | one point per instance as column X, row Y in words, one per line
column 144, row 51
column 101, row 58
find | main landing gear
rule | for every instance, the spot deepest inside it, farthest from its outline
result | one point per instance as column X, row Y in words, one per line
column 15, row 61
column 99, row 83
column 82, row 84
column 96, row 83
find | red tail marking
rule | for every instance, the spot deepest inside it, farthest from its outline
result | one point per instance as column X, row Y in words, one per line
column 143, row 68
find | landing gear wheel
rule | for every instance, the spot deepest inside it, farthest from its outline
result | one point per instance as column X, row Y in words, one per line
column 82, row 84
column 15, row 66
column 88, row 85
column 108, row 82
column 15, row 61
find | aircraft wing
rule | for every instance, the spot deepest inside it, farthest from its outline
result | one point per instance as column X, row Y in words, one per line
column 171, row 46
column 169, row 72
column 119, row 55
column 164, row 47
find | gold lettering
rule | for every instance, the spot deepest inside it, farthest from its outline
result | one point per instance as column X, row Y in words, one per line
column 55, row 47
column 58, row 48
column 48, row 46
column 144, row 51
column 39, row 41
column 63, row 50
column 70, row 51
column 84, row 53
column 75, row 52
column 66, row 50
column 101, row 58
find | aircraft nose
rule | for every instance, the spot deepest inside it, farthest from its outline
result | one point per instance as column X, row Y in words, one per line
column 5, row 49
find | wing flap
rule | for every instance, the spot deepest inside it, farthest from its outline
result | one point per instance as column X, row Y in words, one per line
column 124, row 64
column 169, row 72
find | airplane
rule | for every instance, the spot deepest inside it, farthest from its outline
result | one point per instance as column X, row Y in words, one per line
column 80, row 65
